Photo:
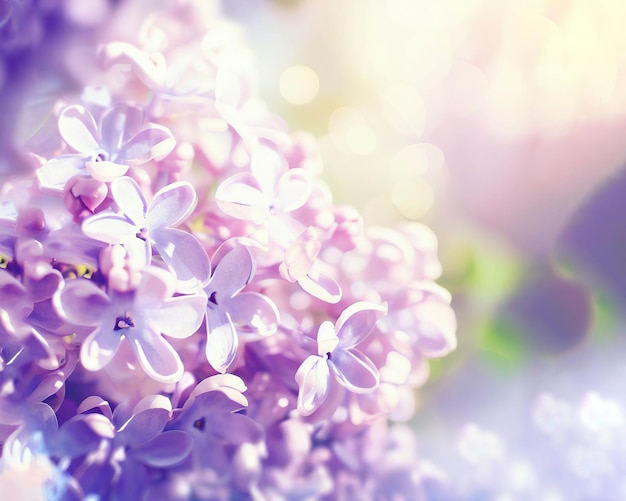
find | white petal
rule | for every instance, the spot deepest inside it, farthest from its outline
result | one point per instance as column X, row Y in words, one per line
column 129, row 198
column 178, row 317
column 313, row 378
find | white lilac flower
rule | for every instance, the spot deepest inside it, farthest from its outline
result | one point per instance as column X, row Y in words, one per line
column 143, row 226
column 337, row 354
column 105, row 151
column 140, row 317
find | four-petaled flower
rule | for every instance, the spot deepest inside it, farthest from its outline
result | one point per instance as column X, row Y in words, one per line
column 140, row 317
column 142, row 226
column 230, row 311
column 105, row 150
column 337, row 353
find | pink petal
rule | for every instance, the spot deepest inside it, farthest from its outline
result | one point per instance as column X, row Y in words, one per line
column 99, row 348
column 156, row 356
column 253, row 313
column 110, row 228
column 129, row 198
column 239, row 197
column 178, row 317
column 222, row 341
column 156, row 286
column 171, row 205
column 231, row 274
column 78, row 129
column 186, row 257
column 154, row 142
column 56, row 172
column 106, row 171
column 357, row 321
column 313, row 381
column 82, row 302
column 355, row 371
column 293, row 190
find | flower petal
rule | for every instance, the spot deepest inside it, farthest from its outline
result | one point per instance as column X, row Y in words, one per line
column 56, row 172
column 231, row 274
column 357, row 321
column 222, row 341
column 355, row 371
column 313, row 381
column 129, row 198
column 110, row 228
column 156, row 286
column 186, row 257
column 150, row 70
column 106, row 171
column 156, row 356
column 239, row 197
column 322, row 287
column 99, row 348
column 327, row 339
column 267, row 166
column 116, row 124
column 293, row 190
column 253, row 313
column 436, row 325
column 166, row 450
column 78, row 129
column 178, row 317
column 82, row 302
column 154, row 142
column 171, row 205
column 144, row 426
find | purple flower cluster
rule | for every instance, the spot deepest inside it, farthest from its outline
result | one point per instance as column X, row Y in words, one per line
column 184, row 311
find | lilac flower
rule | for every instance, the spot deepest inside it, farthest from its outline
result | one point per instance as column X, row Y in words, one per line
column 105, row 150
column 210, row 416
column 112, row 454
column 143, row 226
column 336, row 351
column 420, row 319
column 230, row 311
column 140, row 317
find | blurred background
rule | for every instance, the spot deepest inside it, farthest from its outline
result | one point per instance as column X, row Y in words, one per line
column 500, row 124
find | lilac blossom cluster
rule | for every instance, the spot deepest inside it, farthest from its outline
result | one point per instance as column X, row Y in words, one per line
column 185, row 313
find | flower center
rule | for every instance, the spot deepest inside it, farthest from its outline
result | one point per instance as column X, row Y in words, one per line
column 102, row 156
column 123, row 322
column 142, row 234
column 198, row 424
column 212, row 298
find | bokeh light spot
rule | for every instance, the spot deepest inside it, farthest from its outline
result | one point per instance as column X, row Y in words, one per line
column 299, row 84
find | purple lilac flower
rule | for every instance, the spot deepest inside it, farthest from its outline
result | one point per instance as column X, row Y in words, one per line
column 140, row 317
column 336, row 352
column 230, row 311
column 142, row 226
